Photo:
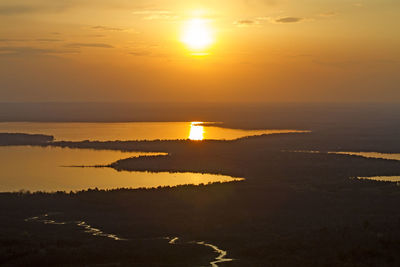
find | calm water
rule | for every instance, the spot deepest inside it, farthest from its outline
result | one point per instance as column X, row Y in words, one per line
column 131, row 131
column 40, row 169
column 372, row 155
column 376, row 155
column 382, row 178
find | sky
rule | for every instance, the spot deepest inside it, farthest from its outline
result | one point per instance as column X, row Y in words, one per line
column 257, row 51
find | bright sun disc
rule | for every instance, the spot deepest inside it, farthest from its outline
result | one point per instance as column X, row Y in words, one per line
column 196, row 131
column 197, row 35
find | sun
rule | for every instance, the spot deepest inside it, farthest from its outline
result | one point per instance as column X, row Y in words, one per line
column 196, row 131
column 197, row 34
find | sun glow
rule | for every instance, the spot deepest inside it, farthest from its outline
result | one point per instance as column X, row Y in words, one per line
column 197, row 34
column 196, row 131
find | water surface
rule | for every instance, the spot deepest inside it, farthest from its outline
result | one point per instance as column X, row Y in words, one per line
column 374, row 155
column 371, row 155
column 394, row 179
column 41, row 169
column 78, row 131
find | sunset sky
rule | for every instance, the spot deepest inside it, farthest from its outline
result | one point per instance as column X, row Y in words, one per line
column 249, row 50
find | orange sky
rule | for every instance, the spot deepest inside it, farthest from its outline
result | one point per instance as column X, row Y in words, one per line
column 262, row 50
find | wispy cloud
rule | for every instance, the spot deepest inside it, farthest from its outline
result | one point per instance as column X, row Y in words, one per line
column 246, row 23
column 32, row 51
column 328, row 14
column 288, row 20
column 7, row 40
column 106, row 28
column 151, row 12
column 48, row 40
column 375, row 63
column 156, row 14
column 11, row 10
column 162, row 17
column 17, row 9
column 260, row 20
column 140, row 53
column 79, row 45
column 147, row 53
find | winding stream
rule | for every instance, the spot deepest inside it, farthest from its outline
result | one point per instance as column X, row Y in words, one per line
column 87, row 228
column 221, row 254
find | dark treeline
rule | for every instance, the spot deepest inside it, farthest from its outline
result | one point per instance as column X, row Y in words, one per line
column 24, row 139
column 378, row 140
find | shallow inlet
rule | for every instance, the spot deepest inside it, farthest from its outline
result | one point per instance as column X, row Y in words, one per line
column 375, row 155
column 371, row 155
column 67, row 131
column 41, row 169
column 394, row 179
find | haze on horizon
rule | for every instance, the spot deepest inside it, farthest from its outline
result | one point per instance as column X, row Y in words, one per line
column 258, row 50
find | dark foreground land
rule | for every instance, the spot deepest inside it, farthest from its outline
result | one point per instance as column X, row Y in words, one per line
column 293, row 209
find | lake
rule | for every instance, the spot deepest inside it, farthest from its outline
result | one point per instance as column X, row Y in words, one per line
column 50, row 168
column 79, row 131
column 44, row 169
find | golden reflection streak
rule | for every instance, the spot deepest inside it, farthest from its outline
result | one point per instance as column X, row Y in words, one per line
column 196, row 131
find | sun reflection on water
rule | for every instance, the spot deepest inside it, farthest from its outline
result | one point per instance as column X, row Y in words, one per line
column 196, row 131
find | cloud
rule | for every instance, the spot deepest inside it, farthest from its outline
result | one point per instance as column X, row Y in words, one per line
column 48, row 40
column 327, row 14
column 106, row 28
column 97, row 35
column 26, row 7
column 289, row 20
column 161, row 17
column 260, row 20
column 151, row 12
column 79, row 45
column 146, row 53
column 32, row 51
column 10, row 10
column 28, row 40
column 6, row 40
column 156, row 14
column 140, row 53
column 15, row 10
column 375, row 63
column 246, row 23
column 336, row 64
